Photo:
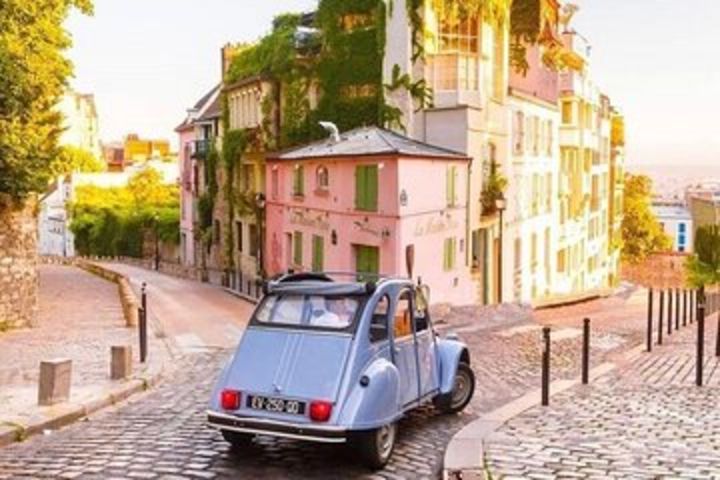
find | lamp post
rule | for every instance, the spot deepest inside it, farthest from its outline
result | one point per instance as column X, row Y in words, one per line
column 500, row 205
column 260, row 203
column 156, row 221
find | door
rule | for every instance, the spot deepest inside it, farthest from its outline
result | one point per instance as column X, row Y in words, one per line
column 405, row 349
column 367, row 260
column 428, row 370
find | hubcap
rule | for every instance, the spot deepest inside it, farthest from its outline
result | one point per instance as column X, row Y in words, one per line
column 461, row 390
column 385, row 440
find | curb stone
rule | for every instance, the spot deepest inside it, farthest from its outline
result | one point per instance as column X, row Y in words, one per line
column 465, row 454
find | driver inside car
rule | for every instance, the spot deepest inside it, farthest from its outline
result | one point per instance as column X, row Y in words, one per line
column 322, row 316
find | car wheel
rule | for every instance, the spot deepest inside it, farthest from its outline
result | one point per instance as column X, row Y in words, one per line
column 237, row 439
column 462, row 392
column 376, row 446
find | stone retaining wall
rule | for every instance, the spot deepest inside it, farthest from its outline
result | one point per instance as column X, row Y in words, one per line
column 19, row 280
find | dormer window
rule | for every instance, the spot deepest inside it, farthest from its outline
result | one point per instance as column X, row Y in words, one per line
column 322, row 179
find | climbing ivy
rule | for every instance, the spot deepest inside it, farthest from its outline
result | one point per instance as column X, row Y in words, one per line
column 234, row 144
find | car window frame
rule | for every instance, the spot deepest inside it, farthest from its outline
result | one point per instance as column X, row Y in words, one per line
column 386, row 297
column 350, row 329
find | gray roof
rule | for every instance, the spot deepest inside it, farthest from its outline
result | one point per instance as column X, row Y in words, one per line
column 369, row 141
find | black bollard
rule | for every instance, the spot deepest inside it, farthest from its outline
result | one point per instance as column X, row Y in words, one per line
column 142, row 325
column 717, row 337
column 685, row 305
column 660, row 317
column 586, row 352
column 693, row 312
column 677, row 309
column 649, row 320
column 700, row 337
column 669, row 312
column 546, row 368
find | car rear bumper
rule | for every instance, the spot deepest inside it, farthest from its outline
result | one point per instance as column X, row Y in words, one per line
column 259, row 426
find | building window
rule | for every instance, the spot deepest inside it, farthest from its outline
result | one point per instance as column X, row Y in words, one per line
column 322, row 178
column 451, row 186
column 298, row 248
column 299, row 181
column 499, row 62
column 216, row 232
column 455, row 66
column 449, row 254
column 567, row 112
column 318, row 253
column 682, row 228
column 519, row 133
column 274, row 183
column 366, row 188
column 239, row 229
column 550, row 137
column 253, row 234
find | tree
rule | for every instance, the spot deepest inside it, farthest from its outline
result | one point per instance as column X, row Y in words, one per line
column 146, row 188
column 73, row 159
column 642, row 233
column 703, row 267
column 33, row 75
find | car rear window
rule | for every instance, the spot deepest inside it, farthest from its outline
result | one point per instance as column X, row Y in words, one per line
column 314, row 311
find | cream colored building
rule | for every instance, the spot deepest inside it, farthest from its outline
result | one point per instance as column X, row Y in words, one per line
column 80, row 122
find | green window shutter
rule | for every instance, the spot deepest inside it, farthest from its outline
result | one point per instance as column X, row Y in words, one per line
column 360, row 188
column 448, row 186
column 297, row 248
column 318, row 253
column 446, row 255
column 372, row 188
column 301, row 180
column 451, row 186
column 453, row 252
column 374, row 260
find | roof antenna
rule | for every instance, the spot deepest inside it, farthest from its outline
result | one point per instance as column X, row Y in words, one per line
column 332, row 129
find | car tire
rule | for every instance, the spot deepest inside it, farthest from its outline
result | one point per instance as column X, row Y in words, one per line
column 461, row 394
column 237, row 440
column 375, row 447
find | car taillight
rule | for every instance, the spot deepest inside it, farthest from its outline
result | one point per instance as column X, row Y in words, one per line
column 230, row 399
column 320, row 411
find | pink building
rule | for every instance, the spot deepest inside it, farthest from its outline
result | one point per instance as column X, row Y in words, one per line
column 371, row 201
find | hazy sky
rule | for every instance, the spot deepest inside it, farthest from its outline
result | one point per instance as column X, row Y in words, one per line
column 148, row 60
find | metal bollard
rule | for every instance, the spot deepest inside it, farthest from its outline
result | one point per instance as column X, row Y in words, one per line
column 685, row 305
column 660, row 317
column 669, row 312
column 649, row 320
column 677, row 309
column 700, row 338
column 546, row 368
column 693, row 306
column 142, row 324
column 586, row 352
column 717, row 337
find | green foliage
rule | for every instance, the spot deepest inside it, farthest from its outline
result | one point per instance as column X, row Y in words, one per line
column 33, row 74
column 703, row 268
column 72, row 159
column 351, row 97
column 116, row 221
column 525, row 23
column 642, row 233
column 235, row 143
column 494, row 188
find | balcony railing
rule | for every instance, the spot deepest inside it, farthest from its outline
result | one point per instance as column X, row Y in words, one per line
column 201, row 149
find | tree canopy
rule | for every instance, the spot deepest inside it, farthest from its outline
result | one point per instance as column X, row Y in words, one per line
column 33, row 75
column 73, row 159
column 703, row 267
column 641, row 231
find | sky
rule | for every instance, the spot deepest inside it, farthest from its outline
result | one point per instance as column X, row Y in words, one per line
column 147, row 61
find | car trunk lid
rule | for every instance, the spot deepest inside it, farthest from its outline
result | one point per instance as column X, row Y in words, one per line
column 290, row 363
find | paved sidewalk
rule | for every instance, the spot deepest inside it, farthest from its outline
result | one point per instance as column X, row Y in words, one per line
column 80, row 318
column 645, row 420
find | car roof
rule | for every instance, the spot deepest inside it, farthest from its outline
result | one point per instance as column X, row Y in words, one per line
column 325, row 284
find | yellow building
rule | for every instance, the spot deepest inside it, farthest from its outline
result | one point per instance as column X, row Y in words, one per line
column 142, row 150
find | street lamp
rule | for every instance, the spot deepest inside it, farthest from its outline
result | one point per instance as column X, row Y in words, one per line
column 260, row 203
column 500, row 205
column 156, row 221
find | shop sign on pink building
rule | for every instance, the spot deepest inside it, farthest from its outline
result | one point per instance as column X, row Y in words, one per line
column 371, row 202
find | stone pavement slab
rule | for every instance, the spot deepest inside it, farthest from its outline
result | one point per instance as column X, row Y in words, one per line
column 646, row 419
column 80, row 318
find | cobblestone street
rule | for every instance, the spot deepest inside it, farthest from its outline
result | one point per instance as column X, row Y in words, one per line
column 645, row 420
column 162, row 434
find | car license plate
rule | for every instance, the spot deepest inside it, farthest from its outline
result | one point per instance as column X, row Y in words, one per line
column 277, row 405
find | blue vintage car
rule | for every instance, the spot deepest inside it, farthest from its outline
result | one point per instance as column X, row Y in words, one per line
column 338, row 362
